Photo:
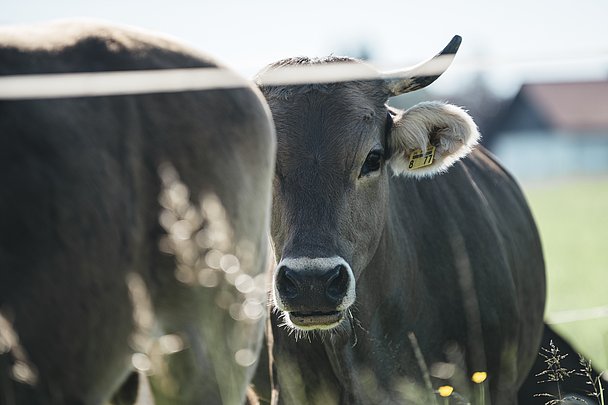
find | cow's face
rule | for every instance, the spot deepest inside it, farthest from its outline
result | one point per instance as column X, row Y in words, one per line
column 330, row 196
column 337, row 146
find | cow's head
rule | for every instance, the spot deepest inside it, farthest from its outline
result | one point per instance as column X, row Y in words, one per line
column 336, row 143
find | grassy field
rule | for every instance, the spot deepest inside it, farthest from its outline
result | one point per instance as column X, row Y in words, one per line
column 573, row 221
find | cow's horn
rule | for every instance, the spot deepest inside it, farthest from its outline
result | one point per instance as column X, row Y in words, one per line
column 423, row 74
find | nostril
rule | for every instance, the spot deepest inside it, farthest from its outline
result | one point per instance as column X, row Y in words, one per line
column 286, row 283
column 337, row 284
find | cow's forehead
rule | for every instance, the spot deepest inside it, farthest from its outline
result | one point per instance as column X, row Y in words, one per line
column 327, row 124
column 319, row 113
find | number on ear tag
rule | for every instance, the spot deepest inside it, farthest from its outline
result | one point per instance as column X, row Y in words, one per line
column 420, row 159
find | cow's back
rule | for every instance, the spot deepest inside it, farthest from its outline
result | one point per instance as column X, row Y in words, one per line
column 79, row 248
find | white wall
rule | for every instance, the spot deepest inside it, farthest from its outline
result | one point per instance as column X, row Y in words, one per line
column 538, row 155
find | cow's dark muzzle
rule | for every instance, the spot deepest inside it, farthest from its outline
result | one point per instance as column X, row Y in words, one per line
column 314, row 292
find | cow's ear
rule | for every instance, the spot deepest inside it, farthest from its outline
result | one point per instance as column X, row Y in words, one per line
column 429, row 137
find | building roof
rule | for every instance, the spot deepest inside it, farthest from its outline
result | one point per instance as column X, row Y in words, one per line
column 571, row 106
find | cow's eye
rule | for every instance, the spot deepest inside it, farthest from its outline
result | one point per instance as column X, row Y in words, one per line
column 373, row 161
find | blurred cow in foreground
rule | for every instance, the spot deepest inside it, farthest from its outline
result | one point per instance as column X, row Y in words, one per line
column 394, row 278
column 133, row 227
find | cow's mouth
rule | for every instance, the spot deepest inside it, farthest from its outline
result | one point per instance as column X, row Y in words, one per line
column 316, row 320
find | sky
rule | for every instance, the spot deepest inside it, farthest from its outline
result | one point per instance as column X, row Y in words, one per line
column 509, row 42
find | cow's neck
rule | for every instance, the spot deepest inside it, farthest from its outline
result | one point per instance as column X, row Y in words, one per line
column 392, row 281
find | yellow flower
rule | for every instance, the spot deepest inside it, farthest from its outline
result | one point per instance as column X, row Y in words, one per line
column 445, row 390
column 479, row 377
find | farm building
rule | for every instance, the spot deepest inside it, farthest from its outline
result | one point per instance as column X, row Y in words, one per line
column 554, row 130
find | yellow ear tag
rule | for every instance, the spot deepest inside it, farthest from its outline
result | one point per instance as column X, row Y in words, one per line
column 420, row 159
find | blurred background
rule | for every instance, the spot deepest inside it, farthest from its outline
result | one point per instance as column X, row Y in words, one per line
column 534, row 74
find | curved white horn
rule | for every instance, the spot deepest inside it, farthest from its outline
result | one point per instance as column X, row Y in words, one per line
column 423, row 74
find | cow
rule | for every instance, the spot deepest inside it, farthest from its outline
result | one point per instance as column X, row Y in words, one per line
column 134, row 226
column 408, row 259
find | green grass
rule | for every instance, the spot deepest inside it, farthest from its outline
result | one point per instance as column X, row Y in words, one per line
column 573, row 221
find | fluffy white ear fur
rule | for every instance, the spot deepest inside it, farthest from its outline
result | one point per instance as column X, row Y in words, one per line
column 447, row 127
